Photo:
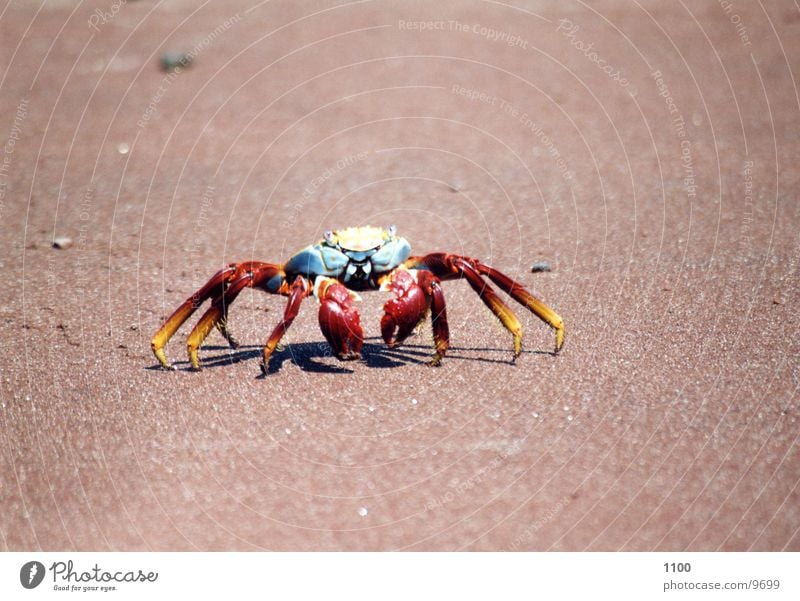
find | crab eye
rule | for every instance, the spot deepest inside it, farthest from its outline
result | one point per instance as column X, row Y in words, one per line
column 329, row 237
column 392, row 230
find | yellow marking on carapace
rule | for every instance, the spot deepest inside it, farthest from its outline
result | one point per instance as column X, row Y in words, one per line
column 360, row 238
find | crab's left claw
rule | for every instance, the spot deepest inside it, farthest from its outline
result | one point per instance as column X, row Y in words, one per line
column 339, row 319
column 416, row 293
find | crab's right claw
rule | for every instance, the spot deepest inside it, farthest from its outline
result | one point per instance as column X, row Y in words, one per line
column 339, row 319
column 404, row 312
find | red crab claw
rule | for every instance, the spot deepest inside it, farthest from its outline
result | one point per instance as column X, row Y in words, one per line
column 417, row 292
column 402, row 314
column 339, row 320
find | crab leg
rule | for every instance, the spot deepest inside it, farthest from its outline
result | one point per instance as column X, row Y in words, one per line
column 446, row 267
column 522, row 296
column 214, row 286
column 441, row 332
column 222, row 288
column 216, row 316
column 299, row 289
column 491, row 300
column 222, row 327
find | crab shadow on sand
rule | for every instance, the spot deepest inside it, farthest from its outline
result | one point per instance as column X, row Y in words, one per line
column 316, row 357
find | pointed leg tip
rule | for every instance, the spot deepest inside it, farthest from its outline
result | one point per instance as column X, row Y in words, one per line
column 266, row 355
column 163, row 362
column 559, row 340
column 161, row 356
column 517, row 348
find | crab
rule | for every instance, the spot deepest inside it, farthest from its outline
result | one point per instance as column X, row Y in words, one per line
column 334, row 270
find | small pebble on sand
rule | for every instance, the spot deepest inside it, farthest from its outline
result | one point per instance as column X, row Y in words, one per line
column 172, row 61
column 62, row 242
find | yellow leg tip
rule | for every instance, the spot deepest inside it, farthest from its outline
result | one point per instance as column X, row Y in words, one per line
column 161, row 356
column 268, row 350
column 559, row 338
column 193, row 358
column 517, row 346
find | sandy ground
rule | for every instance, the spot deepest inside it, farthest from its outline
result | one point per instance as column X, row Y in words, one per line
column 647, row 150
